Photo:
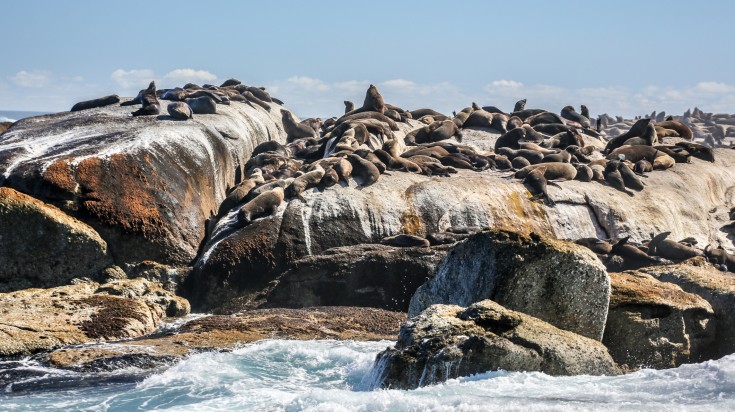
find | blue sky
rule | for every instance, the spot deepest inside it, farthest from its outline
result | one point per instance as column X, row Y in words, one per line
column 622, row 57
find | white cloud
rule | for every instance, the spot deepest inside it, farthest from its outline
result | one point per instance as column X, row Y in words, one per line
column 308, row 83
column 183, row 76
column 136, row 78
column 35, row 79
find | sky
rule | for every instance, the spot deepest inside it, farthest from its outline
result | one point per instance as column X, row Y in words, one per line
column 616, row 57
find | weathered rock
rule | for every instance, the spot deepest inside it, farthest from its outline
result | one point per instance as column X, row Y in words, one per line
column 36, row 320
column 716, row 287
column 653, row 324
column 41, row 246
column 340, row 215
column 556, row 281
column 366, row 275
column 146, row 184
column 448, row 341
column 226, row 332
column 169, row 277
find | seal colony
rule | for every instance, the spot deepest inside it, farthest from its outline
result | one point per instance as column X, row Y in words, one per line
column 535, row 146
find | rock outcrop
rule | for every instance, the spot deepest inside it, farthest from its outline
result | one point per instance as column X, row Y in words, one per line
column 34, row 320
column 447, row 341
column 556, row 281
column 42, row 247
column 146, row 184
column 717, row 288
column 219, row 332
column 653, row 324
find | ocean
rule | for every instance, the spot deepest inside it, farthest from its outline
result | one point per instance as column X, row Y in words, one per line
column 281, row 375
column 14, row 115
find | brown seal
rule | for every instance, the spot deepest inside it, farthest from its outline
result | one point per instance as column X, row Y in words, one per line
column 262, row 205
column 151, row 107
column 179, row 110
column 95, row 103
column 293, row 129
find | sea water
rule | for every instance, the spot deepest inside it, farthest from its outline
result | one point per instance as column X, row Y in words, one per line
column 327, row 375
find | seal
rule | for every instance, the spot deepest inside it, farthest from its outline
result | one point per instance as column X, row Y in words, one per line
column 293, row 129
column 330, row 177
column 251, row 98
column 397, row 163
column 520, row 105
column 635, row 131
column 669, row 249
column 364, row 170
column 349, row 106
column 569, row 113
column 584, row 173
column 584, row 111
column 553, row 171
column 537, row 182
column 95, row 103
column 596, row 245
column 545, row 118
column 419, row 113
column 629, row 178
column 404, row 240
column 510, row 139
column 648, row 138
column 445, row 238
column 282, row 183
column 202, row 105
column 635, row 153
column 683, row 130
column 520, row 162
column 262, row 205
column 642, row 166
column 699, row 151
column 151, row 107
column 240, row 192
column 720, row 257
column 633, row 257
column 270, row 146
column 179, row 111
column 614, row 178
column 305, row 181
column 368, row 115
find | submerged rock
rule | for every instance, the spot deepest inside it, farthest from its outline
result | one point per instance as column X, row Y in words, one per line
column 34, row 320
column 654, row 324
column 557, row 281
column 447, row 341
column 42, row 247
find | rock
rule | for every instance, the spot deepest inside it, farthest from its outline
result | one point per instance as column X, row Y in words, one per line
column 419, row 205
column 716, row 287
column 34, row 320
column 447, row 341
column 227, row 332
column 653, row 324
column 366, row 275
column 556, row 281
column 146, row 184
column 5, row 126
column 169, row 277
column 41, row 246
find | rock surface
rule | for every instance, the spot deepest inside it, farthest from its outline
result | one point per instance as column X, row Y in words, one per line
column 246, row 259
column 653, row 324
column 42, row 247
column 366, row 275
column 146, row 184
column 226, row 332
column 448, row 341
column 556, row 281
column 36, row 320
column 716, row 287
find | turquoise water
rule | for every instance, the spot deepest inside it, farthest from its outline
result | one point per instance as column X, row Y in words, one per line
column 334, row 376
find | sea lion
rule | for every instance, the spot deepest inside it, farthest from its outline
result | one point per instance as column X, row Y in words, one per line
column 683, row 130
column 398, row 163
column 202, row 105
column 368, row 115
column 230, row 82
column 179, row 110
column 445, row 238
column 293, row 129
column 330, row 178
column 584, row 173
column 563, row 156
column 510, row 139
column 569, row 113
column 520, row 105
column 513, row 123
column 633, row 257
column 642, row 166
column 305, row 181
column 648, row 138
column 678, row 153
column 520, row 162
column 95, row 103
column 596, row 245
column 527, row 113
column 635, row 131
column 663, row 162
column 635, row 153
column 262, row 205
column 720, row 257
column 240, row 192
column 251, row 98
column 544, row 118
column 537, row 182
column 551, row 128
column 614, row 178
column 349, row 106
column 419, row 113
column 404, row 240
column 629, row 178
column 271, row 146
column 363, row 169
column 481, row 118
column 151, row 107
column 532, row 156
column 584, row 111
column 669, row 249
column 553, row 171
column 282, row 183
column 261, row 94
column 697, row 150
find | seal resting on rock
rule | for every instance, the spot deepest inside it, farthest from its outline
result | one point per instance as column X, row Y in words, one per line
column 151, row 107
column 262, row 205
column 91, row 104
column 179, row 110
column 404, row 240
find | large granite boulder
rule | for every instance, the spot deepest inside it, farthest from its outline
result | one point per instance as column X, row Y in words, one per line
column 718, row 288
column 556, row 281
column 147, row 184
column 41, row 246
column 447, row 341
column 653, row 324
column 365, row 275
column 34, row 320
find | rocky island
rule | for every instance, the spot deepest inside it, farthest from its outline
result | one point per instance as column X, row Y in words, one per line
column 479, row 240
